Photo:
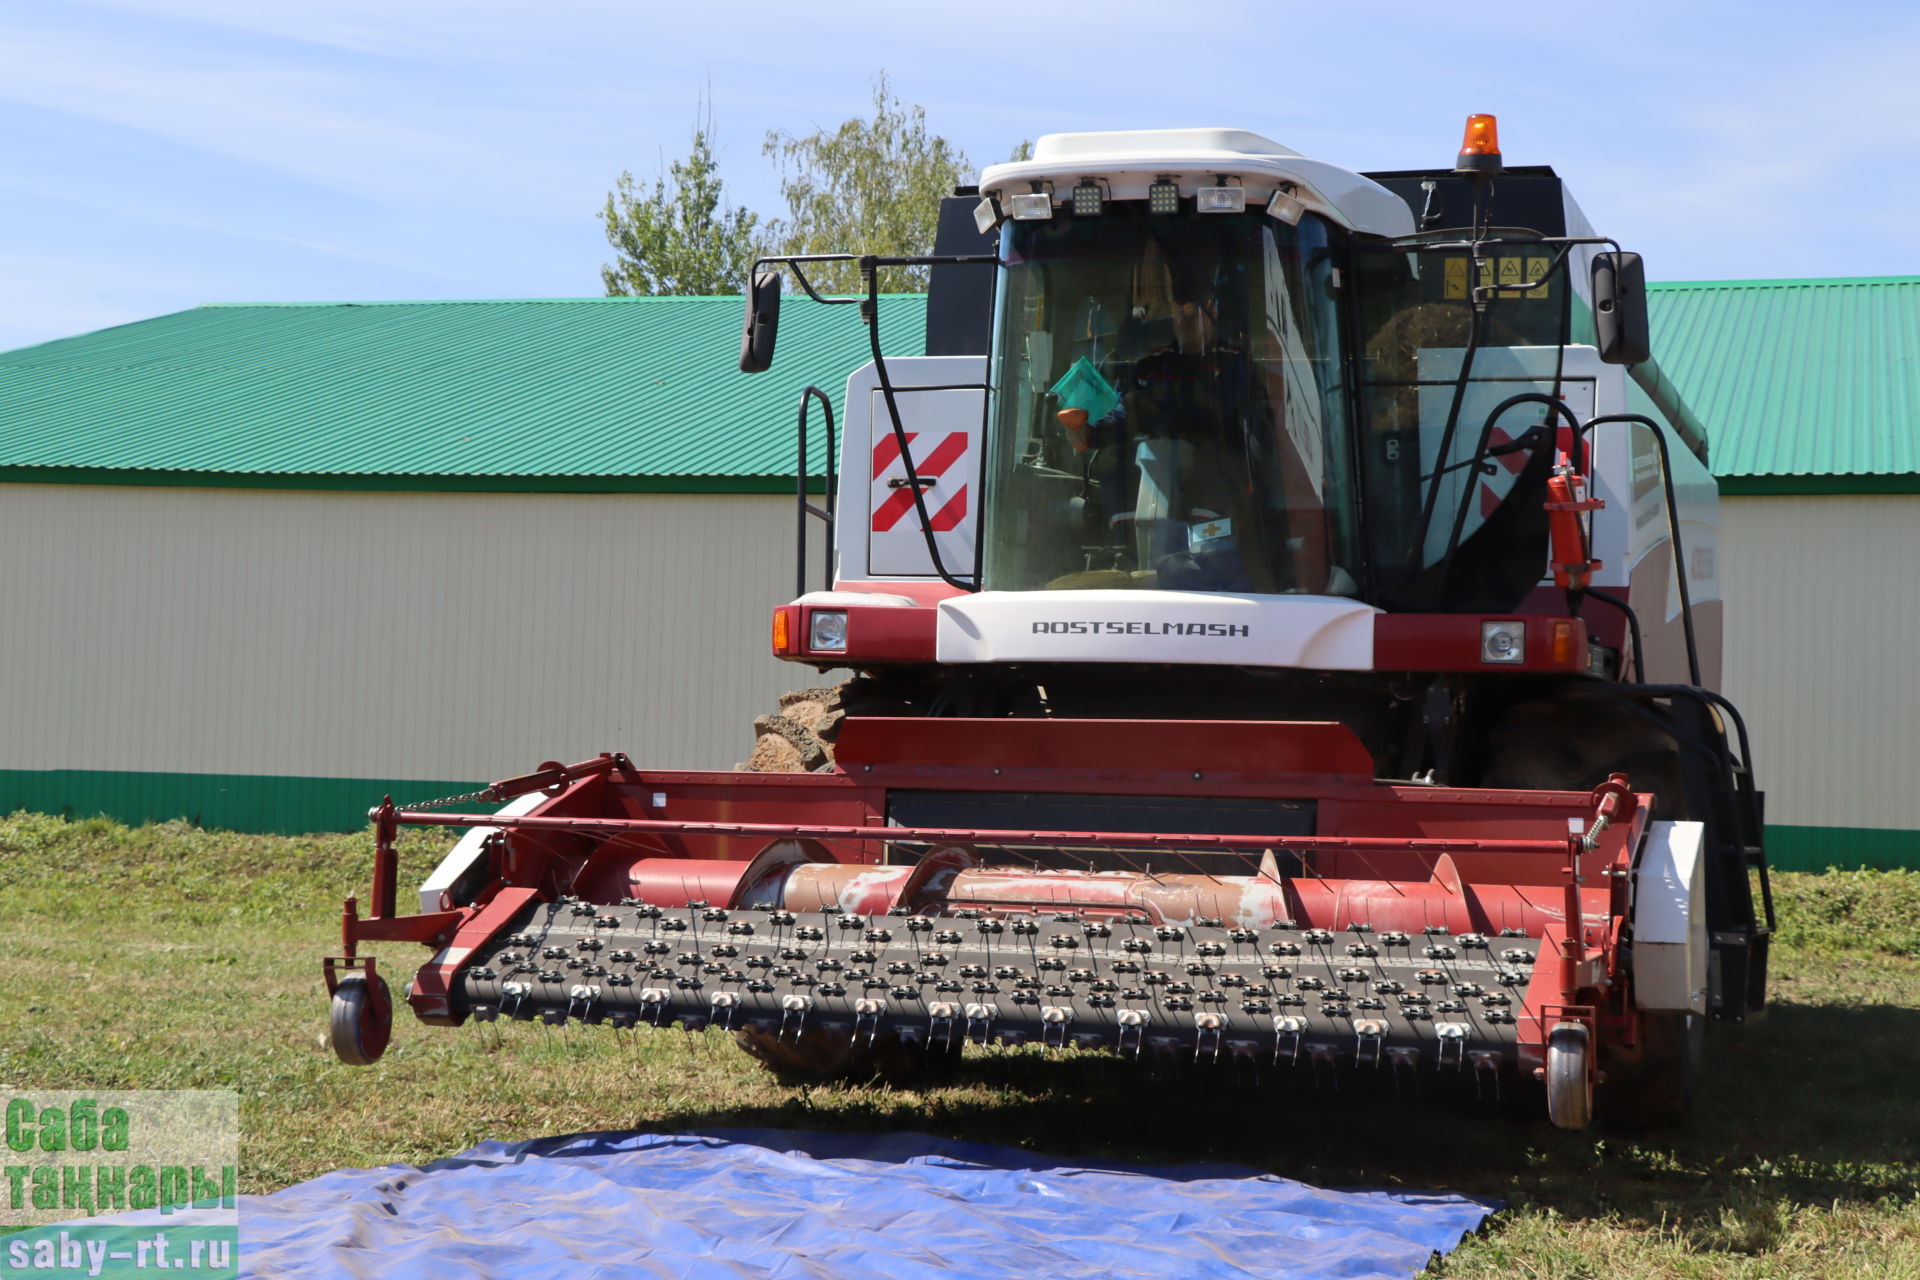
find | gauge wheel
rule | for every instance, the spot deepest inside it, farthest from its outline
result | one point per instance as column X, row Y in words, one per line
column 1569, row 1077
column 361, row 1021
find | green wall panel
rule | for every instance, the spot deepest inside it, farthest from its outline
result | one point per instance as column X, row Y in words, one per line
column 1842, row 848
column 234, row 802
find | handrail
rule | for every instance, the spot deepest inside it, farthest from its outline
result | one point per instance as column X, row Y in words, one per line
column 801, row 475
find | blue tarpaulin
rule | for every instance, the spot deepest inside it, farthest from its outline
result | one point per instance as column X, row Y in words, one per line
column 830, row 1206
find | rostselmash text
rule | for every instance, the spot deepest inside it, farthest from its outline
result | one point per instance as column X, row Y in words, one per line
column 1224, row 629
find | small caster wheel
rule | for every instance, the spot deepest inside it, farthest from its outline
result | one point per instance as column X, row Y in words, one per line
column 1569, row 1077
column 361, row 1021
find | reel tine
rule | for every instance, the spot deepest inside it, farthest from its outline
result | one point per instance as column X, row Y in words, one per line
column 940, row 1017
column 1206, row 1024
column 793, row 1012
column 868, row 1011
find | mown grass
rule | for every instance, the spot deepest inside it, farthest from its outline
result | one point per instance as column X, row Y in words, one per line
column 167, row 956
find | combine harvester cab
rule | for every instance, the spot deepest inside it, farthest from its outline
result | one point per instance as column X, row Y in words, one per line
column 1285, row 634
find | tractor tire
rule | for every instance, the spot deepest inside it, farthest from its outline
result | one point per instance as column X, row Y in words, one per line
column 788, row 741
column 1652, row 1086
column 1574, row 745
column 799, row 737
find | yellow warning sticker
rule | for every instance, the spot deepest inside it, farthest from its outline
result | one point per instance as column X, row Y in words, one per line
column 1506, row 272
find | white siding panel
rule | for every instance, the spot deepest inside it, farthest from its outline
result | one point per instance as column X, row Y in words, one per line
column 443, row 636
column 1822, row 615
column 455, row 636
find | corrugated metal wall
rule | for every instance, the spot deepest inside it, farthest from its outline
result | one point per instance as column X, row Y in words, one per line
column 471, row 636
column 1822, row 614
column 375, row 635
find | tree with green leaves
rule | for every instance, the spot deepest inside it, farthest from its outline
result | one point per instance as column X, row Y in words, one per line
column 683, row 237
column 869, row 186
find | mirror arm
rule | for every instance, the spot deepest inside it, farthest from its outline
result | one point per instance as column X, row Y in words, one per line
column 793, row 263
column 1413, row 243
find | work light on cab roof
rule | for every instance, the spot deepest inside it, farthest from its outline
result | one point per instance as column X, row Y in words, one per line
column 1225, row 196
column 1029, row 206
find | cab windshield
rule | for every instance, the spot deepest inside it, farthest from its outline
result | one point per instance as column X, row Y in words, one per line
column 1172, row 410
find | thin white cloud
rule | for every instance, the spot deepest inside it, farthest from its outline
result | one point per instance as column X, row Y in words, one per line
column 296, row 122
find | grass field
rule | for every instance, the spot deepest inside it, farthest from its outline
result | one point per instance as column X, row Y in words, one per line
column 169, row 957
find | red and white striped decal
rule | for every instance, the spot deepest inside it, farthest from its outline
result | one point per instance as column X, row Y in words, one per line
column 1515, row 463
column 898, row 502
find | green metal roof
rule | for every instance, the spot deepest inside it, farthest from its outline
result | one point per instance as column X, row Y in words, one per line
column 1805, row 386
column 588, row 394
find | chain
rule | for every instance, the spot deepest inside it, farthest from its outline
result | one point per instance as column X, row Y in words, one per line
column 491, row 794
column 484, row 797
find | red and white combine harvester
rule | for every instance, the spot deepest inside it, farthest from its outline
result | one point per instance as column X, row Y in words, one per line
column 1284, row 627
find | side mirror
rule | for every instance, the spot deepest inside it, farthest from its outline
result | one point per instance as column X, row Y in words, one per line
column 763, row 322
column 1620, row 308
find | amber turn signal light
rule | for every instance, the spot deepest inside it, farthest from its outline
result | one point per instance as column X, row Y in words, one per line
column 1562, row 643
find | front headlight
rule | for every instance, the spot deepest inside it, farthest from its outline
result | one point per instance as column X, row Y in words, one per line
column 827, row 632
column 1502, row 641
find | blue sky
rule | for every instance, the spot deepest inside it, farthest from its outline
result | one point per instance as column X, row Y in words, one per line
column 155, row 154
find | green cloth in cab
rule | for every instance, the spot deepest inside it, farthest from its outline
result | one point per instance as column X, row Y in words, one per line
column 1082, row 387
